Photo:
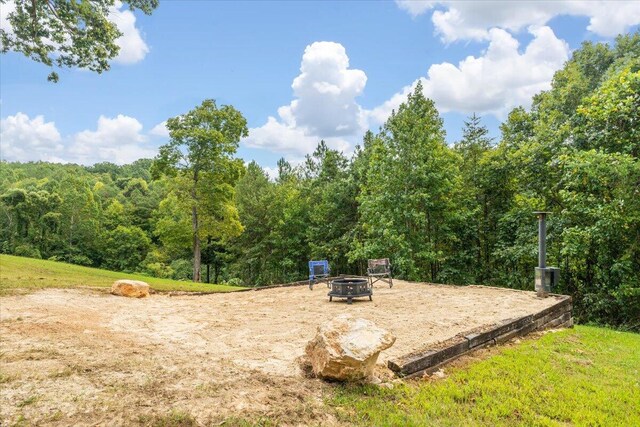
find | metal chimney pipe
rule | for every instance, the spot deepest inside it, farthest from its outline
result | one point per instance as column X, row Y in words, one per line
column 543, row 278
column 542, row 239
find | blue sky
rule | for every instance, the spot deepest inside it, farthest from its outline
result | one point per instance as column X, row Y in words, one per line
column 298, row 71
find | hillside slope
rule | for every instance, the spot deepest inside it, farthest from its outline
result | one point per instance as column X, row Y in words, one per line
column 28, row 273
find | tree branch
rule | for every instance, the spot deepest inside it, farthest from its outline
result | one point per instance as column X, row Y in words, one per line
column 34, row 18
column 55, row 13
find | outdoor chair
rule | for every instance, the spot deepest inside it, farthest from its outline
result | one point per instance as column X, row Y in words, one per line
column 379, row 269
column 319, row 271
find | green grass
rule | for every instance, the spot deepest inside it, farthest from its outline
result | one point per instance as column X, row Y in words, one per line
column 580, row 376
column 175, row 418
column 28, row 273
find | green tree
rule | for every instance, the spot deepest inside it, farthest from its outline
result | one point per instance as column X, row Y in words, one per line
column 408, row 205
column 80, row 220
column 289, row 209
column 66, row 33
column 333, row 208
column 274, row 247
column 610, row 117
column 253, row 249
column 114, row 215
column 575, row 154
column 16, row 224
column 173, row 226
column 600, row 235
column 480, row 183
column 125, row 248
column 199, row 158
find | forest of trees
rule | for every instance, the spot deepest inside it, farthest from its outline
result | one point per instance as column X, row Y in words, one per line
column 459, row 214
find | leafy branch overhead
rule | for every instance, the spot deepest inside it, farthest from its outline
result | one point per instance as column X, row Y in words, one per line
column 66, row 34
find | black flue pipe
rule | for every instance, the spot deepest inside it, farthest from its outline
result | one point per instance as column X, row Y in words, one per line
column 542, row 238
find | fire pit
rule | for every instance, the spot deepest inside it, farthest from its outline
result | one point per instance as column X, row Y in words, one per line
column 350, row 288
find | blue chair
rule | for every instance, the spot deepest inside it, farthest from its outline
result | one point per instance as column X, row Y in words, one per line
column 319, row 271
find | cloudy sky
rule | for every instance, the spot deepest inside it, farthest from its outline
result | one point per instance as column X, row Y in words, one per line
column 298, row 71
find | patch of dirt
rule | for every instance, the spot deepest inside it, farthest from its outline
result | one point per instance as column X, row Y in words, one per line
column 83, row 357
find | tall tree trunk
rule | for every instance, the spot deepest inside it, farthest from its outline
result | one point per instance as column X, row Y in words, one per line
column 196, row 245
column 216, row 272
column 197, row 254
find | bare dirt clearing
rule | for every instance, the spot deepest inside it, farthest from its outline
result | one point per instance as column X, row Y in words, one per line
column 84, row 357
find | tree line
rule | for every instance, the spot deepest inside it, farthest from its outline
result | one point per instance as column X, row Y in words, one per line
column 459, row 214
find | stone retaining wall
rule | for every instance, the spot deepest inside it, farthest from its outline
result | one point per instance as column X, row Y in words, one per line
column 558, row 315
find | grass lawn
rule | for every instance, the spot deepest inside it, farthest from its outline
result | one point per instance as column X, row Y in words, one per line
column 580, row 376
column 28, row 273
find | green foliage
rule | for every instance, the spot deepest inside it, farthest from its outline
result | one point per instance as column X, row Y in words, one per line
column 114, row 215
column 199, row 160
column 409, row 215
column 173, row 226
column 66, row 33
column 274, row 247
column 600, row 235
column 125, row 248
column 27, row 251
column 608, row 119
column 576, row 155
column 333, row 211
column 182, row 269
column 155, row 265
column 79, row 259
column 461, row 214
column 484, row 192
column 581, row 376
column 252, row 247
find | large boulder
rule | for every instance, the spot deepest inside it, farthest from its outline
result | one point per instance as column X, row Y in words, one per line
column 130, row 288
column 347, row 348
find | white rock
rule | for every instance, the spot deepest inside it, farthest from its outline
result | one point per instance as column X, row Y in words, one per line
column 439, row 374
column 347, row 348
column 130, row 288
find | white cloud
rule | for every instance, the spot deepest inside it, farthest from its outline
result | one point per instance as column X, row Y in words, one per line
column 326, row 90
column 271, row 172
column 325, row 106
column 24, row 139
column 611, row 19
column 132, row 46
column 381, row 113
column 118, row 140
column 415, row 7
column 5, row 10
column 290, row 140
column 160, row 130
column 463, row 20
column 494, row 83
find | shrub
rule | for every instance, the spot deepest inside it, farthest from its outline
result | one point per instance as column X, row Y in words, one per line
column 27, row 251
column 125, row 248
column 235, row 281
column 182, row 269
column 158, row 269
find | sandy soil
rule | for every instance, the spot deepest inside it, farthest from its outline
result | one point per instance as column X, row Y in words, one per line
column 85, row 357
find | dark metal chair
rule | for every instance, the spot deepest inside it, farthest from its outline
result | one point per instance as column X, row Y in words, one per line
column 319, row 271
column 379, row 269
